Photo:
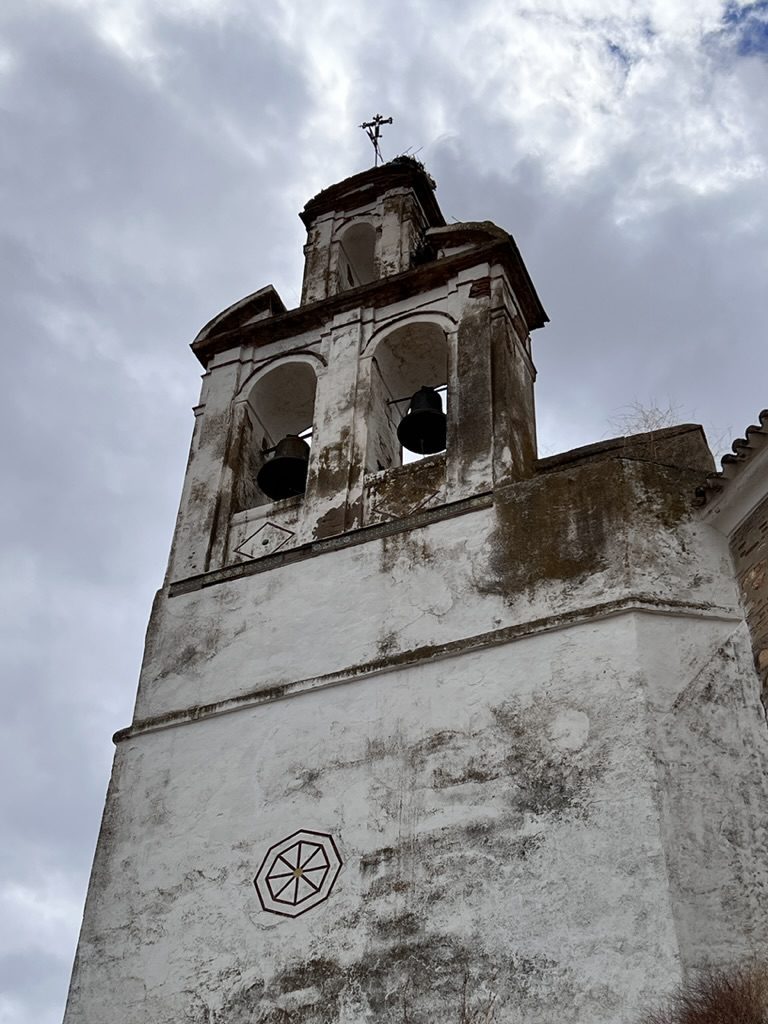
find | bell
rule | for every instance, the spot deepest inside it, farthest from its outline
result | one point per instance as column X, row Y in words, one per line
column 285, row 474
column 423, row 428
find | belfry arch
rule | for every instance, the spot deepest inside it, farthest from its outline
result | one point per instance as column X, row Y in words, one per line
column 357, row 255
column 409, row 357
column 277, row 402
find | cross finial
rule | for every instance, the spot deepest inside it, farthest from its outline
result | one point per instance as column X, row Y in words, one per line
column 373, row 131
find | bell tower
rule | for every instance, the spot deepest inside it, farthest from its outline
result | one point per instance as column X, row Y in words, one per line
column 393, row 301
column 409, row 742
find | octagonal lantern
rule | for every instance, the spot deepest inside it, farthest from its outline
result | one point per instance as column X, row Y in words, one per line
column 298, row 873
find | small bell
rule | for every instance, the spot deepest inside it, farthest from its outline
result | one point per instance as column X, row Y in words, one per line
column 423, row 428
column 285, row 474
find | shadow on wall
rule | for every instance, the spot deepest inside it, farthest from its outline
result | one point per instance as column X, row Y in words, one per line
column 737, row 995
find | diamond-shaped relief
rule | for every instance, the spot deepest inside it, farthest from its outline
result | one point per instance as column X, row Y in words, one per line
column 298, row 873
column 268, row 538
column 381, row 510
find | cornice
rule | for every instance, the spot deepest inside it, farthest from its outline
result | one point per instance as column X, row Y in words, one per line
column 364, row 187
column 383, row 292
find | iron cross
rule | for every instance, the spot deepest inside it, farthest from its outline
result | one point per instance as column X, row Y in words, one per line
column 373, row 131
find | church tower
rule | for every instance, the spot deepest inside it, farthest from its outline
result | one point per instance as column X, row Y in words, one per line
column 428, row 728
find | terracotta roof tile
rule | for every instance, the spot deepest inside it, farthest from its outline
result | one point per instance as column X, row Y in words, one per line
column 733, row 462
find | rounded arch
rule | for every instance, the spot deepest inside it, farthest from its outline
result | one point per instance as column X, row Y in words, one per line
column 314, row 359
column 276, row 401
column 405, row 357
column 438, row 317
column 357, row 256
column 282, row 398
column 412, row 355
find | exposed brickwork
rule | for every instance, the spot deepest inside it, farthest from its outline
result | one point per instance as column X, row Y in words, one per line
column 750, row 553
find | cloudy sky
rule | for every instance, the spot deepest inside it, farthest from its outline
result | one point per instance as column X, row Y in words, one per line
column 154, row 158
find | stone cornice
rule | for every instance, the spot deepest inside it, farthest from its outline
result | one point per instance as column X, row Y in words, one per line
column 632, row 604
column 362, row 188
column 383, row 292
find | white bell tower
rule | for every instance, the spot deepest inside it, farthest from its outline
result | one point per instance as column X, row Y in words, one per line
column 474, row 737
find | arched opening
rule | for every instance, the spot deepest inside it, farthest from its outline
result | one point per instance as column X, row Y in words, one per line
column 357, row 263
column 412, row 357
column 281, row 404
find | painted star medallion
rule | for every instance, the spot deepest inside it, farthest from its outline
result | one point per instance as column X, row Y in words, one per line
column 298, row 873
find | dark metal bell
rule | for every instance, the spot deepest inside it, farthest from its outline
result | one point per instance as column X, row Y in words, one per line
column 423, row 428
column 284, row 475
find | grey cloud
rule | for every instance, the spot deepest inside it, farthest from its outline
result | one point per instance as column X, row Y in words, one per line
column 36, row 975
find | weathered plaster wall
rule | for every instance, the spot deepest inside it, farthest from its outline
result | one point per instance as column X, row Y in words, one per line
column 533, row 729
column 551, row 824
column 710, row 740
column 749, row 545
column 573, row 542
column 497, row 814
column 400, row 492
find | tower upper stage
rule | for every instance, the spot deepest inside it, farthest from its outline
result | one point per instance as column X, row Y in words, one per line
column 394, row 300
column 374, row 237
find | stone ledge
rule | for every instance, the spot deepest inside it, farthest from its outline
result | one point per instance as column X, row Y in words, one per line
column 342, row 540
column 641, row 603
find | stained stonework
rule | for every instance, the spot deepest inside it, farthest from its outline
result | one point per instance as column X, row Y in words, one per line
column 401, row 492
column 749, row 546
column 267, row 539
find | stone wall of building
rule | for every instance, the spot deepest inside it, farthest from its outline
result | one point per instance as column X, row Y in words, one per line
column 533, row 831
column 530, row 730
column 577, row 540
column 749, row 545
column 496, row 815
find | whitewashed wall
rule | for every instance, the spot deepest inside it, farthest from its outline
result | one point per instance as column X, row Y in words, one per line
column 554, row 826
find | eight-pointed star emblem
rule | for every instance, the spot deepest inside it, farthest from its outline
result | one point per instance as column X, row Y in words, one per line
column 298, row 873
